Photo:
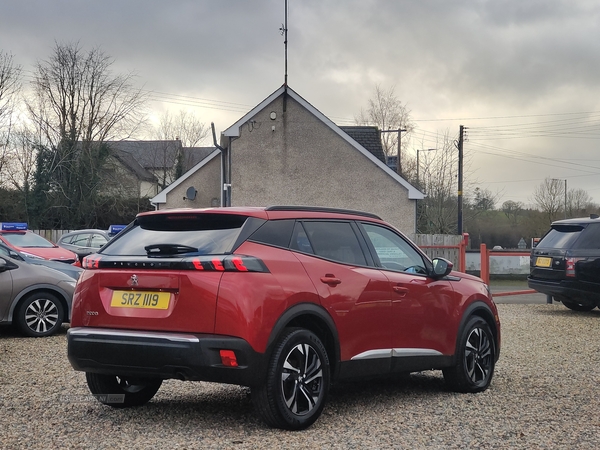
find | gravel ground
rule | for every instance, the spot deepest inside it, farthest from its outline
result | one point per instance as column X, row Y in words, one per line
column 544, row 395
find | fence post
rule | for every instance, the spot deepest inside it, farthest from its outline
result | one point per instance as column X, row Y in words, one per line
column 485, row 264
column 462, row 253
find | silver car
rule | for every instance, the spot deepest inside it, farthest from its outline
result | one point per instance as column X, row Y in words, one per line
column 84, row 242
column 35, row 298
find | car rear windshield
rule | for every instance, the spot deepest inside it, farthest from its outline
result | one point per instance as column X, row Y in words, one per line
column 561, row 237
column 168, row 235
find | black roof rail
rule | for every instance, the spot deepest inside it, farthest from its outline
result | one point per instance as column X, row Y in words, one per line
column 322, row 209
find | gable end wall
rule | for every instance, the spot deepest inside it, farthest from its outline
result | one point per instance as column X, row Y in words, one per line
column 304, row 162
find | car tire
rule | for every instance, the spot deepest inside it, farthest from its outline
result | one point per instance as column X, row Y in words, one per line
column 40, row 314
column 120, row 391
column 297, row 383
column 475, row 358
column 576, row 306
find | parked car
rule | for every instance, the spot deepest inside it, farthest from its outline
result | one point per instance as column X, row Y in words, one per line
column 565, row 264
column 285, row 300
column 68, row 269
column 17, row 236
column 84, row 242
column 35, row 298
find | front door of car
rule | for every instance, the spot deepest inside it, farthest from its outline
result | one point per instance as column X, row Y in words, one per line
column 355, row 295
column 421, row 306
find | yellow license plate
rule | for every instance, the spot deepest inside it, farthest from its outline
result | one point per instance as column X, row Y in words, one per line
column 542, row 261
column 140, row 299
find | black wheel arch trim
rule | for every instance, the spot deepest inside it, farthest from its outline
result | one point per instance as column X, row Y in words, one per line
column 481, row 309
column 305, row 311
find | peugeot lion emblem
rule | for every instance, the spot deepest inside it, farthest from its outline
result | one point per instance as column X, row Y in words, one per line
column 134, row 280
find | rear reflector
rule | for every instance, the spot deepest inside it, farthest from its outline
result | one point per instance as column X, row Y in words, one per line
column 228, row 358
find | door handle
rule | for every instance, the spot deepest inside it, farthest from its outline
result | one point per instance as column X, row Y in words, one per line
column 330, row 280
column 400, row 290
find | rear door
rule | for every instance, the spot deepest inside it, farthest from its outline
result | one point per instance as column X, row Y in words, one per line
column 355, row 295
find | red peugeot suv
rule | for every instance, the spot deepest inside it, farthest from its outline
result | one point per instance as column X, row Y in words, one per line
column 284, row 299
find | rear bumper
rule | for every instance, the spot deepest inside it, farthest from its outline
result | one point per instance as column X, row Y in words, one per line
column 572, row 290
column 163, row 355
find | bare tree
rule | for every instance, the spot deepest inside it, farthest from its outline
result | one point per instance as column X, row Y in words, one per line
column 579, row 202
column 77, row 104
column 184, row 126
column 387, row 112
column 549, row 197
column 20, row 165
column 437, row 213
column 10, row 85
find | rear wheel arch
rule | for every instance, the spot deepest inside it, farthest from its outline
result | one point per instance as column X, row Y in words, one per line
column 40, row 313
column 25, row 294
column 313, row 318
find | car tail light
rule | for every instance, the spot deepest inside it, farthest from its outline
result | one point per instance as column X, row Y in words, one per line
column 570, row 266
column 91, row 262
column 230, row 263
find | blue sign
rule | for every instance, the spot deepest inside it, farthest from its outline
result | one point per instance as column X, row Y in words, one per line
column 14, row 226
column 115, row 229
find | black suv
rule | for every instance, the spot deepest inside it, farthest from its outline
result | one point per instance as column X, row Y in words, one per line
column 566, row 263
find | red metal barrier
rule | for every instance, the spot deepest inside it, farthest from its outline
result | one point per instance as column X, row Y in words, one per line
column 485, row 269
column 503, row 294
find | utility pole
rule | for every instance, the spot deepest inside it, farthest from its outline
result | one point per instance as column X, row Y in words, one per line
column 565, row 198
column 399, row 131
column 460, row 180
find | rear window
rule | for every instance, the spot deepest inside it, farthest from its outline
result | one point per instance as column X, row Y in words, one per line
column 561, row 237
column 168, row 235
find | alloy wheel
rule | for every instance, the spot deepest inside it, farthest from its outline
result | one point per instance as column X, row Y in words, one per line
column 41, row 315
column 478, row 356
column 302, row 379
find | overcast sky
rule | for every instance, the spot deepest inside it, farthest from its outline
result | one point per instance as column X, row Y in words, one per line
column 522, row 75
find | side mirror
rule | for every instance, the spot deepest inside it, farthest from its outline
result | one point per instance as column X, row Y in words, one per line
column 441, row 267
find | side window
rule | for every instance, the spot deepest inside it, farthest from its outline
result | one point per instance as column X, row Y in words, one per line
column 300, row 240
column 67, row 240
column 590, row 237
column 393, row 251
column 336, row 241
column 274, row 232
column 81, row 240
column 98, row 241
